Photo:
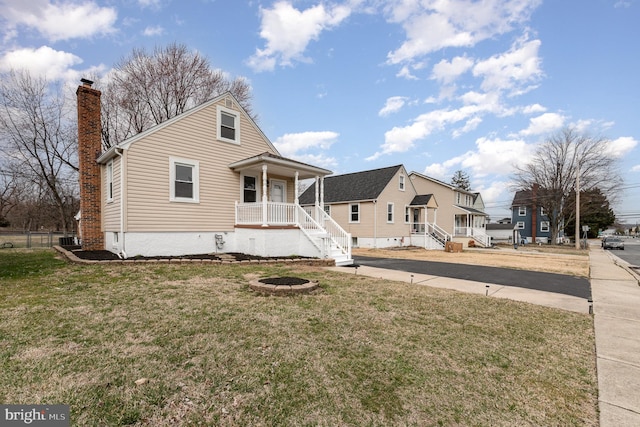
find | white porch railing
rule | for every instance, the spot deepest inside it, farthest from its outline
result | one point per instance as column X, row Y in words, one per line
column 274, row 214
column 435, row 236
column 478, row 234
column 338, row 235
column 315, row 223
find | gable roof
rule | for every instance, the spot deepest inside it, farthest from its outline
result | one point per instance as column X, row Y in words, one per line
column 421, row 200
column 522, row 198
column 357, row 186
column 111, row 152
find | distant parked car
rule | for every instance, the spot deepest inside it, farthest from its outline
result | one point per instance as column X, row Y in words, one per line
column 613, row 243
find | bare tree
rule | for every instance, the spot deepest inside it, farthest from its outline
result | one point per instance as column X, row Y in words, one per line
column 146, row 89
column 38, row 137
column 556, row 164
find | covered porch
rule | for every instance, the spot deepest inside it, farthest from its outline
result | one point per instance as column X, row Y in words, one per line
column 422, row 213
column 270, row 190
column 269, row 200
column 471, row 223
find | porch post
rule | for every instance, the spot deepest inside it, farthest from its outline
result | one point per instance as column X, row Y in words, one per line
column 322, row 193
column 296, row 200
column 317, row 204
column 264, row 196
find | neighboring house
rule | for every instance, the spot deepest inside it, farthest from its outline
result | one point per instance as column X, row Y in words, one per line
column 460, row 213
column 529, row 219
column 379, row 208
column 205, row 181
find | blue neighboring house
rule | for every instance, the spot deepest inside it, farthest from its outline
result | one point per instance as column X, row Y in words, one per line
column 530, row 220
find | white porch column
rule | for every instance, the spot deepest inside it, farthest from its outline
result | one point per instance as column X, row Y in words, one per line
column 296, row 199
column 317, row 190
column 264, row 196
column 322, row 193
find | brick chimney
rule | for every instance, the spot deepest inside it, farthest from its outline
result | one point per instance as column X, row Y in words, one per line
column 89, row 148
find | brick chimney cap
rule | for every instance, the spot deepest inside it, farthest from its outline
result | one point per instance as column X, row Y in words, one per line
column 86, row 82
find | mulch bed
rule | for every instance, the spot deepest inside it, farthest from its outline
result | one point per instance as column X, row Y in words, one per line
column 105, row 255
column 284, row 281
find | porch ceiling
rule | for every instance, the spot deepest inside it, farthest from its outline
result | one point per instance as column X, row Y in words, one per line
column 277, row 165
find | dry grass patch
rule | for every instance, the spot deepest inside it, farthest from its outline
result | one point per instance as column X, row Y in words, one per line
column 360, row 351
column 554, row 259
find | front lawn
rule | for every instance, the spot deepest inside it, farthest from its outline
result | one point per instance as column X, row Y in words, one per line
column 209, row 351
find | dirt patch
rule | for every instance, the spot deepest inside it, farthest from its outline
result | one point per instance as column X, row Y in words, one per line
column 550, row 262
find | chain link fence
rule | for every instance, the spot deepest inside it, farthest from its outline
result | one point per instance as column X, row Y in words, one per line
column 35, row 239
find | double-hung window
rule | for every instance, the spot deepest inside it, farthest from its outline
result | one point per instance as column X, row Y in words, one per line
column 520, row 225
column 228, row 125
column 544, row 226
column 250, row 189
column 401, row 183
column 390, row 212
column 184, row 176
column 522, row 210
column 354, row 212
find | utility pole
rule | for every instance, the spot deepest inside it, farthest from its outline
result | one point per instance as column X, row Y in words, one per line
column 578, row 207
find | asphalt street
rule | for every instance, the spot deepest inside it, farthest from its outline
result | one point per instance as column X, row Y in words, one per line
column 549, row 282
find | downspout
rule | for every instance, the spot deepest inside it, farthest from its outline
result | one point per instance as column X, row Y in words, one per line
column 375, row 224
column 120, row 152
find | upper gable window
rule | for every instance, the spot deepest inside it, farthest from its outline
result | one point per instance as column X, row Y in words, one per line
column 522, row 211
column 228, row 125
column 401, row 183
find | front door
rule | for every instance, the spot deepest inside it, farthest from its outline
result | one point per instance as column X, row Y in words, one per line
column 278, row 191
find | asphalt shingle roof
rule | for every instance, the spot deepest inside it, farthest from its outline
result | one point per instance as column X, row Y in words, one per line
column 366, row 185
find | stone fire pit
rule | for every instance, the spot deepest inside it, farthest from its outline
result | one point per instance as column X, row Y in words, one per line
column 283, row 285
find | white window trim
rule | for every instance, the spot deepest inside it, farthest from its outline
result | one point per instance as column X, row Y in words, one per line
column 542, row 229
column 233, row 113
column 258, row 188
column 542, row 211
column 520, row 225
column 407, row 214
column 522, row 211
column 173, row 161
column 390, row 205
column 327, row 209
column 110, row 181
column 350, row 212
column 402, row 183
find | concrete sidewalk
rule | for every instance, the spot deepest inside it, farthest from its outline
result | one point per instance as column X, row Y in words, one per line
column 616, row 304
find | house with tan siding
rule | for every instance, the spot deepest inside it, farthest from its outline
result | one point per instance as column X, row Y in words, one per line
column 460, row 212
column 205, row 181
column 380, row 208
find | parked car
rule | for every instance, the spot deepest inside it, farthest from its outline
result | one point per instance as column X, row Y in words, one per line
column 613, row 243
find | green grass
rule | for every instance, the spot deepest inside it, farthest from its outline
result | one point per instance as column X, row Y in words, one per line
column 359, row 351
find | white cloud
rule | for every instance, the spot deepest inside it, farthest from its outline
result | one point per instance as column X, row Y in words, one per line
column 514, row 71
column 636, row 168
column 446, row 72
column 153, row 31
column 59, row 20
column 393, row 105
column 431, row 25
column 288, row 31
column 534, row 109
column 545, row 123
column 290, row 144
column 620, row 147
column 44, row 61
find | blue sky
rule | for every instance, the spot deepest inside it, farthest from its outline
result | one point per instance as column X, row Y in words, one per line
column 352, row 85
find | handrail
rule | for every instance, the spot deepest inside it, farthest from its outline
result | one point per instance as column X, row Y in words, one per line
column 338, row 235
